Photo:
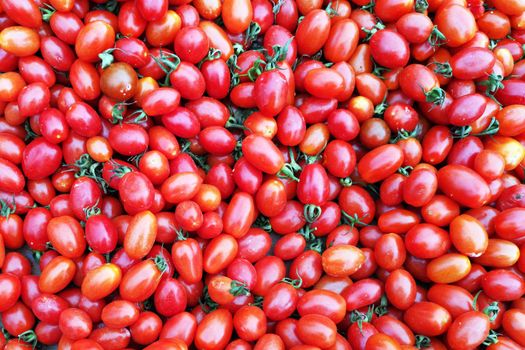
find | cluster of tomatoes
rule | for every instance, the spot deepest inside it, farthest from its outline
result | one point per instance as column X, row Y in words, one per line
column 262, row 174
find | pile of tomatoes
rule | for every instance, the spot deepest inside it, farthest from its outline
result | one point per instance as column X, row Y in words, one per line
column 262, row 174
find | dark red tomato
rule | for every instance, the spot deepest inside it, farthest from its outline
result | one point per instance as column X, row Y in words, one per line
column 389, row 49
column 400, row 288
column 84, row 195
column 101, row 234
column 47, row 307
column 511, row 93
column 468, row 330
column 10, row 290
column 419, row 188
column 262, row 153
column 503, row 285
column 417, row 82
column 415, row 27
column 342, row 41
column 513, row 324
column 75, row 323
column 160, row 101
column 463, row 185
column 109, row 337
column 436, row 144
column 250, row 323
column 343, row 125
column 217, row 77
column 280, row 301
column 170, row 297
column 188, row 80
column 271, row 89
column 34, row 228
column 128, row 139
column 464, row 151
column 456, row 300
column 289, row 246
column 356, row 202
column 191, row 44
column 395, row 329
column 85, row 80
column 362, row 293
column 217, row 140
column 239, row 215
column 427, row 318
column 254, row 245
column 146, row 329
column 472, row 63
column 34, row 69
column 182, row 122
column 427, row 241
column 339, row 158
column 152, row 10
column 380, row 163
column 18, row 319
column 12, row 179
column 467, row 109
column 279, row 36
column 270, row 199
column 136, row 192
column 53, row 125
column 313, row 32
column 40, row 159
column 324, row 83
column 25, row 13
column 390, row 252
column 313, row 185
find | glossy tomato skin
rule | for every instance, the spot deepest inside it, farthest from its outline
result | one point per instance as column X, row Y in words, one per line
column 215, row 330
column 270, row 92
column 67, row 236
column 380, row 163
column 474, row 191
column 101, row 281
column 40, row 159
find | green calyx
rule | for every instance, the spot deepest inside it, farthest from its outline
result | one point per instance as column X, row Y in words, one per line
column 239, row 288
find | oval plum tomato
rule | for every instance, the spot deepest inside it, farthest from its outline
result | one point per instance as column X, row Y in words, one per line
column 215, row 330
column 324, row 83
column 420, row 84
column 380, row 163
column 389, row 49
column 40, row 159
column 237, row 15
column 313, row 32
column 140, row 235
column 427, row 318
column 457, row 24
column 463, row 185
column 142, row 279
column 342, row 260
column 57, row 275
column 93, row 39
column 101, row 281
column 136, row 192
column 67, row 236
column 472, row 63
column 271, row 90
